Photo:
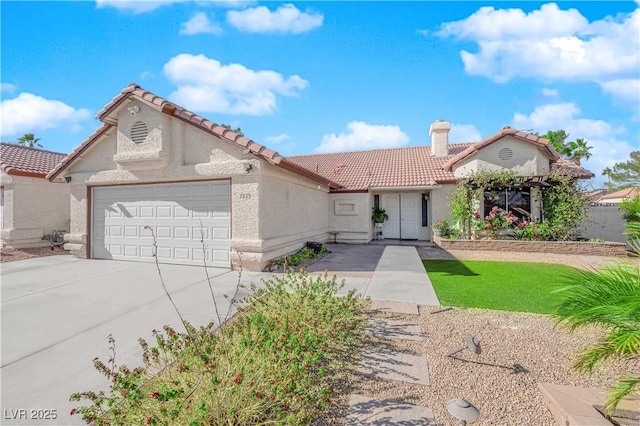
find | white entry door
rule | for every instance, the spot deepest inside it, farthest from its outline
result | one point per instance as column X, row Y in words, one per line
column 391, row 204
column 180, row 214
column 409, row 216
column 403, row 213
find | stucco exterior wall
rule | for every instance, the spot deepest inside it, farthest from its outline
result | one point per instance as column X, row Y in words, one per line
column 525, row 159
column 272, row 210
column 350, row 217
column 33, row 207
column 439, row 208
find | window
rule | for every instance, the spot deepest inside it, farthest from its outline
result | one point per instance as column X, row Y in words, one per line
column 425, row 210
column 376, row 201
column 518, row 201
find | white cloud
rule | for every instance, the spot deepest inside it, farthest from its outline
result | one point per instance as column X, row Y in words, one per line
column 144, row 75
column 464, row 133
column 549, row 92
column 200, row 24
column 206, row 85
column 286, row 19
column 136, row 6
column 608, row 146
column 361, row 135
column 627, row 90
column 29, row 112
column 549, row 44
column 278, row 139
column 7, row 88
column 229, row 4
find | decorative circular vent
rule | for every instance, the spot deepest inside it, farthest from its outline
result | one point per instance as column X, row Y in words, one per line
column 505, row 154
column 139, row 132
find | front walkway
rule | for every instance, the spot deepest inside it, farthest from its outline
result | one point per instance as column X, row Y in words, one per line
column 401, row 277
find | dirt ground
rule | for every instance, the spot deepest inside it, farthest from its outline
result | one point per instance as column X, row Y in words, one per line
column 10, row 254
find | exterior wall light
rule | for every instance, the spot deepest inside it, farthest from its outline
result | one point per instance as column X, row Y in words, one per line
column 67, row 179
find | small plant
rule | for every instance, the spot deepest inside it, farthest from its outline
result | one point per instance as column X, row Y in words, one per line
column 379, row 215
column 442, row 225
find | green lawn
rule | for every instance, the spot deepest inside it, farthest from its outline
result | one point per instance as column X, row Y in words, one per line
column 507, row 286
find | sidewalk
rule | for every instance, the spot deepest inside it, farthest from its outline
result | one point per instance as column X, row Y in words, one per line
column 401, row 277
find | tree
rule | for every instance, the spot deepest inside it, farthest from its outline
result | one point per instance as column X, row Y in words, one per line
column 237, row 130
column 557, row 139
column 29, row 140
column 607, row 172
column 573, row 150
column 578, row 150
column 609, row 298
column 625, row 174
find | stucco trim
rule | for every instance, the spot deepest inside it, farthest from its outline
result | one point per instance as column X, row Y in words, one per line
column 89, row 242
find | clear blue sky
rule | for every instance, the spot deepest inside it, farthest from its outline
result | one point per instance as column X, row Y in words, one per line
column 330, row 76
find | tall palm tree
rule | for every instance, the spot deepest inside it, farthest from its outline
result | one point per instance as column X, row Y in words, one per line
column 578, row 150
column 610, row 298
column 607, row 171
column 29, row 139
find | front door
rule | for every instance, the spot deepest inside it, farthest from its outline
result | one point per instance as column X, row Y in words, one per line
column 402, row 210
column 409, row 216
column 391, row 204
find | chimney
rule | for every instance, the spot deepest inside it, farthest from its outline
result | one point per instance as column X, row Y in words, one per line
column 439, row 132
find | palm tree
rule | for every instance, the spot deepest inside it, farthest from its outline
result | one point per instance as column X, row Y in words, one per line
column 607, row 171
column 578, row 150
column 29, row 139
column 609, row 298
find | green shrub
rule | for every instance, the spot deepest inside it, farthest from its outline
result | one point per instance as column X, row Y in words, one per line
column 272, row 363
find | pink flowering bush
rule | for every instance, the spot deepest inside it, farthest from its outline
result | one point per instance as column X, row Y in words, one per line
column 496, row 220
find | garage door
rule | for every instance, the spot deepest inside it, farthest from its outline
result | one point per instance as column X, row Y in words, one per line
column 179, row 214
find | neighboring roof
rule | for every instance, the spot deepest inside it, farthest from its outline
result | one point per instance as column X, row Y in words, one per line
column 623, row 193
column 21, row 160
column 106, row 115
column 595, row 194
column 506, row 131
column 359, row 170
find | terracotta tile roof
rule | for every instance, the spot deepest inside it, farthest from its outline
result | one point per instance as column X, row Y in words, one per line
column 359, row 170
column 623, row 193
column 568, row 166
column 163, row 105
column 20, row 160
column 414, row 166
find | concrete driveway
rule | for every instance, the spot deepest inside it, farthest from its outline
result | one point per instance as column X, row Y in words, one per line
column 58, row 311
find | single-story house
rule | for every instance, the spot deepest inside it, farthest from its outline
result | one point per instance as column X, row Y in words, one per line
column 619, row 196
column 30, row 206
column 155, row 168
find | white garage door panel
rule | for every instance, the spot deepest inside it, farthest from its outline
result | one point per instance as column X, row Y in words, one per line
column 179, row 214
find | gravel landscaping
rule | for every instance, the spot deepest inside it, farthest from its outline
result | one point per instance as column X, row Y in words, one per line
column 10, row 254
column 487, row 380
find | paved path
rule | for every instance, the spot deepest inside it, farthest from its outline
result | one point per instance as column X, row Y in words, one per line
column 401, row 277
column 391, row 365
